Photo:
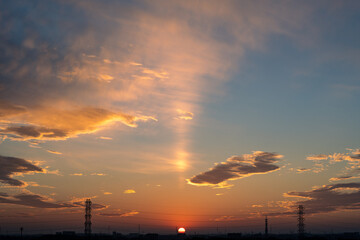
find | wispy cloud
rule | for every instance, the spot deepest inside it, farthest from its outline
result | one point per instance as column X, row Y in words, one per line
column 105, row 138
column 77, row 174
column 184, row 115
column 119, row 213
column 333, row 179
column 35, row 184
column 351, row 158
column 54, row 152
column 40, row 201
column 317, row 157
column 300, row 170
column 10, row 166
column 37, row 201
column 98, row 174
column 237, row 167
column 129, row 191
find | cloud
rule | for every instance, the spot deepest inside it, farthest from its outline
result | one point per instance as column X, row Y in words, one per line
column 300, row 170
column 39, row 201
column 330, row 198
column 107, row 193
column 184, row 115
column 77, row 174
column 143, row 57
column 128, row 58
column 343, row 178
column 54, row 124
column 35, row 184
column 98, row 174
column 33, row 200
column 354, row 156
column 129, row 191
column 317, row 157
column 10, row 166
column 351, row 158
column 54, row 152
column 316, row 168
column 124, row 214
column 237, row 167
column 105, row 138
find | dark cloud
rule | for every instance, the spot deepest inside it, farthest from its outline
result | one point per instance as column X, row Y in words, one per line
column 12, row 165
column 38, row 201
column 330, row 198
column 34, row 132
column 238, row 167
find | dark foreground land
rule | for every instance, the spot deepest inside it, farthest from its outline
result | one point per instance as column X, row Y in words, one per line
column 154, row 236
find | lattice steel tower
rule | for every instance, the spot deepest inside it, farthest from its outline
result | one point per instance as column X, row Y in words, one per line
column 266, row 226
column 88, row 217
column 301, row 225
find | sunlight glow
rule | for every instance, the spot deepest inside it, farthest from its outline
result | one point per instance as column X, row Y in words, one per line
column 181, row 230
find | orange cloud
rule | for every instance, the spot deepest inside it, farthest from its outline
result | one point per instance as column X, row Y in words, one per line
column 184, row 115
column 77, row 174
column 129, row 191
column 105, row 138
column 54, row 124
column 54, row 152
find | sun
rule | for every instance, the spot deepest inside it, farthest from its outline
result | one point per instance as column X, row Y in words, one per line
column 181, row 230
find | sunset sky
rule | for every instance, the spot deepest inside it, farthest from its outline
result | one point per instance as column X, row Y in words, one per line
column 207, row 115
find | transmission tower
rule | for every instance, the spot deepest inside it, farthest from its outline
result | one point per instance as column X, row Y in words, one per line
column 266, row 226
column 301, row 225
column 88, row 217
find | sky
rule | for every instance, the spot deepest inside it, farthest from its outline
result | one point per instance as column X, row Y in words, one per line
column 207, row 115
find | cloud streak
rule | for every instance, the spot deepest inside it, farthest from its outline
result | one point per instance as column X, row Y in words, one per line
column 129, row 191
column 120, row 214
column 237, row 167
column 39, row 201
